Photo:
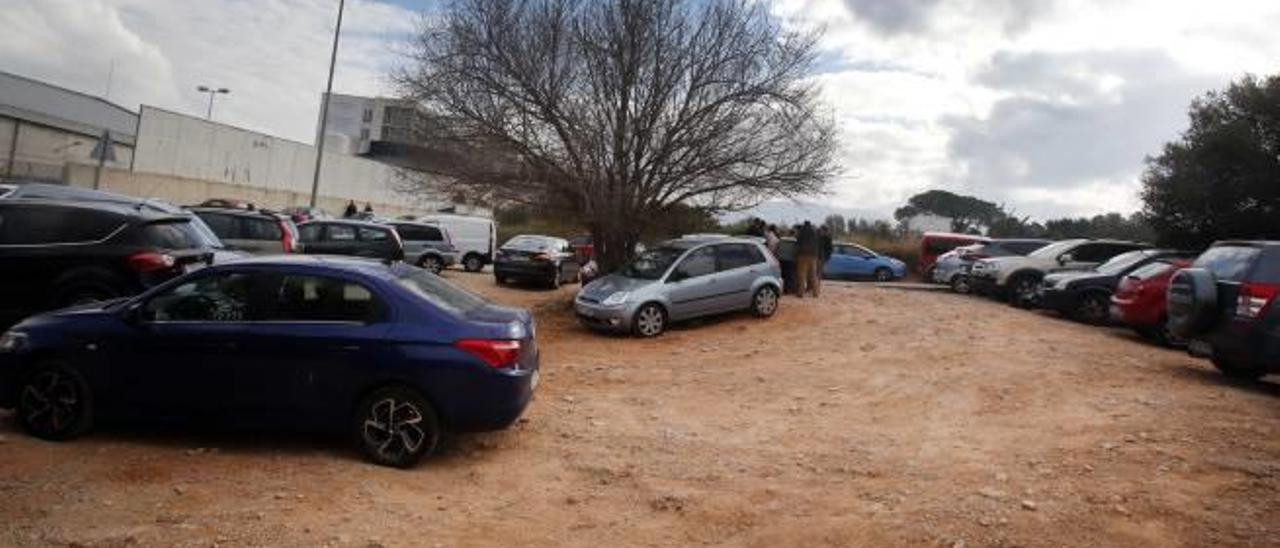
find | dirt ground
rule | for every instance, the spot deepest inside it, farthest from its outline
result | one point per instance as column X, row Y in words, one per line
column 873, row 416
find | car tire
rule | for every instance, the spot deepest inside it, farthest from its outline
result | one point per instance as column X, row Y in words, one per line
column 1022, row 290
column 1092, row 308
column 55, row 403
column 650, row 321
column 1238, row 371
column 765, row 301
column 960, row 284
column 1192, row 302
column 432, row 263
column 396, row 426
column 473, row 263
column 883, row 274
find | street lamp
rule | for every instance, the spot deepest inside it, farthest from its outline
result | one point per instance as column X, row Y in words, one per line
column 211, row 91
column 324, row 107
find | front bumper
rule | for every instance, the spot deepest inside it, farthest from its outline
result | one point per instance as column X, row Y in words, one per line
column 601, row 317
column 1062, row 300
column 984, row 285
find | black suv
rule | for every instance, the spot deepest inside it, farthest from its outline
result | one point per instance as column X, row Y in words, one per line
column 1224, row 304
column 58, row 253
column 355, row 238
column 1086, row 295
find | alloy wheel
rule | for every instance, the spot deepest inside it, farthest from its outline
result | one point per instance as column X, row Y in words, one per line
column 766, row 302
column 433, row 264
column 960, row 284
column 51, row 404
column 473, row 264
column 650, row 321
column 394, row 429
column 1092, row 310
column 883, row 275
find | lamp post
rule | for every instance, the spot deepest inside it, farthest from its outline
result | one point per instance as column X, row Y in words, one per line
column 212, row 92
column 324, row 107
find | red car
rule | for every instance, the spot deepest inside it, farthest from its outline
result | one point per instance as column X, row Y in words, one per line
column 583, row 250
column 933, row 244
column 1139, row 301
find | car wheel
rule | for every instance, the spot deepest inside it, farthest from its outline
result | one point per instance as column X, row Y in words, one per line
column 1023, row 291
column 1092, row 308
column 396, row 426
column 473, row 263
column 883, row 275
column 650, row 321
column 1238, row 371
column 432, row 263
column 960, row 284
column 55, row 403
column 765, row 302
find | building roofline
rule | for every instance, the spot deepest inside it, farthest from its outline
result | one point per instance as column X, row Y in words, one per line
column 69, row 90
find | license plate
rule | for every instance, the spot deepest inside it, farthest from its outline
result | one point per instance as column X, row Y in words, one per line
column 1200, row 348
column 533, row 382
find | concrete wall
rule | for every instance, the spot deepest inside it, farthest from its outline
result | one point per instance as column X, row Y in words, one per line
column 183, row 191
column 43, row 153
column 188, row 148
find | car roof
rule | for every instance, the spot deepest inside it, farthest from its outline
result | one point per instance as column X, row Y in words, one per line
column 956, row 235
column 350, row 222
column 1250, row 243
column 139, row 210
column 55, row 192
column 236, row 211
column 373, row 267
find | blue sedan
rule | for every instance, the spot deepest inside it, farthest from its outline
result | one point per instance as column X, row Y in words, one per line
column 390, row 353
column 854, row 262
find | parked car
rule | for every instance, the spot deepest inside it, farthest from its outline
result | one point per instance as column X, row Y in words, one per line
column 542, row 259
column 680, row 280
column 259, row 232
column 58, row 253
column 1139, row 300
column 1224, row 305
column 854, row 262
column 354, row 238
column 428, row 246
column 1017, row 279
column 1086, row 295
column 227, row 203
column 475, row 237
column 302, row 214
column 387, row 352
column 48, row 191
column 933, row 244
column 952, row 267
column 584, row 249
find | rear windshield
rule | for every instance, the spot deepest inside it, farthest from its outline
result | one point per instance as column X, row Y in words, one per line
column 529, row 243
column 439, row 292
column 1153, row 270
column 175, row 234
column 1228, row 262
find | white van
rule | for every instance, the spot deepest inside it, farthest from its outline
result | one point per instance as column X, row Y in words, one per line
column 474, row 237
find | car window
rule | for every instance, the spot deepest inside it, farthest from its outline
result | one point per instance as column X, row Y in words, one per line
column 309, row 233
column 261, row 229
column 225, row 226
column 1022, row 248
column 1053, row 250
column 415, row 233
column 1153, row 270
column 435, row 290
column 323, row 299
column 529, row 243
column 369, row 234
column 733, row 256
column 651, row 264
column 213, row 298
column 700, row 262
column 40, row 224
column 1229, row 262
column 170, row 234
column 341, row 233
column 1122, row 262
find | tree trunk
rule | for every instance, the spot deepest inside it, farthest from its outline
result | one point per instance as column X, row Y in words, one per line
column 613, row 245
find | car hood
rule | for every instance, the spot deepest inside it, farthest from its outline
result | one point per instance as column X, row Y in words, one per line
column 613, row 283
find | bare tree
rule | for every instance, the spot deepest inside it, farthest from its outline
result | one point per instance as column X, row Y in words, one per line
column 614, row 111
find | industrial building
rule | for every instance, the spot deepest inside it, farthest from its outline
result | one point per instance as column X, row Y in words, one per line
column 47, row 133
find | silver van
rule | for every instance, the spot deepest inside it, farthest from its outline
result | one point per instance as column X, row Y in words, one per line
column 426, row 245
column 679, row 280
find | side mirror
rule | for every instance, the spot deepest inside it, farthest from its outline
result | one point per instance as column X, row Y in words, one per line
column 1066, row 258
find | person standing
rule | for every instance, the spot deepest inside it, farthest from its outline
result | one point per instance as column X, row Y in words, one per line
column 807, row 250
column 825, row 246
column 771, row 239
column 350, row 211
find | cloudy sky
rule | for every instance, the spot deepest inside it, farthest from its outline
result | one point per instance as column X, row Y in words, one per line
column 1047, row 106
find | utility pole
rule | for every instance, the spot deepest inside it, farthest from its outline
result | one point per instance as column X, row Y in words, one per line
column 208, row 115
column 324, row 106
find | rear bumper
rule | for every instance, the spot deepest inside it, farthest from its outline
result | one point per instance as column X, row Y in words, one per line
column 500, row 403
column 984, row 285
column 1249, row 344
column 524, row 270
column 1130, row 312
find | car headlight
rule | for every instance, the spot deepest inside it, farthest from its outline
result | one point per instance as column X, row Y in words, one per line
column 13, row 341
column 616, row 299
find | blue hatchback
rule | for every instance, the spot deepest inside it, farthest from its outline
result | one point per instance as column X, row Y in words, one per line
column 389, row 352
column 852, row 261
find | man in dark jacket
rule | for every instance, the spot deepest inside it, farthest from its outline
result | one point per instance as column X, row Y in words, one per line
column 808, row 248
column 825, row 246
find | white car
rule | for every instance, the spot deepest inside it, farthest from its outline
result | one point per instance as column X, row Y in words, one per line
column 1017, row 279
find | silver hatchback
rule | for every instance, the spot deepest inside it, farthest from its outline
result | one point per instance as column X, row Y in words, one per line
column 680, row 280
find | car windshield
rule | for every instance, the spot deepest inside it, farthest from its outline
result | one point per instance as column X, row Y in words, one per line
column 1229, row 262
column 1122, row 262
column 651, row 264
column 439, row 292
column 528, row 243
column 172, row 234
column 1151, row 271
column 1052, row 250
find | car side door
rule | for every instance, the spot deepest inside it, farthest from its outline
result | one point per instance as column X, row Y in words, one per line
column 340, row 239
column 738, row 267
column 1083, row 257
column 379, row 243
column 691, row 286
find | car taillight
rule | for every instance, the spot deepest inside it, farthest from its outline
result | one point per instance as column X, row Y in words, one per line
column 498, row 354
column 150, row 261
column 1255, row 299
column 288, row 237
